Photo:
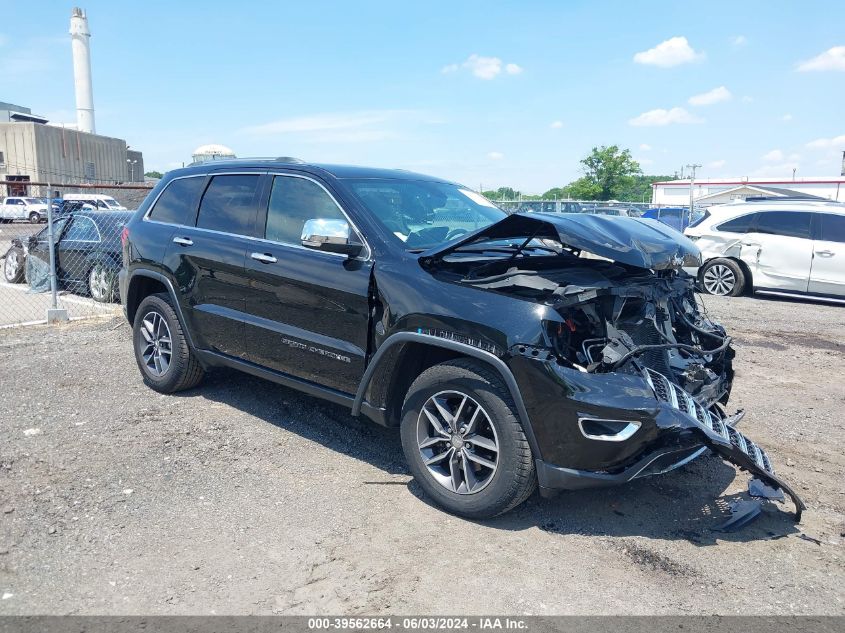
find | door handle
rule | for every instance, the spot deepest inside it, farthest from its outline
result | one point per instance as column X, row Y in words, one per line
column 264, row 258
column 825, row 253
column 183, row 241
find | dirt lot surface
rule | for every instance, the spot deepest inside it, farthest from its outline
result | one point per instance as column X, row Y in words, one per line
column 244, row 497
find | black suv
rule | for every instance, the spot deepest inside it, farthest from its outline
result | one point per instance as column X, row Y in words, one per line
column 561, row 350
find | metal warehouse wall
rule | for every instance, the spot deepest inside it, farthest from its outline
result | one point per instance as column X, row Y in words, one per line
column 17, row 143
column 69, row 155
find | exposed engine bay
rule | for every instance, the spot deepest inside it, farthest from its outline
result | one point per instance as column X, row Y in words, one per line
column 619, row 318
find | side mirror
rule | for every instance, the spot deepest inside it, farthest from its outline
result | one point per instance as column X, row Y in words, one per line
column 331, row 236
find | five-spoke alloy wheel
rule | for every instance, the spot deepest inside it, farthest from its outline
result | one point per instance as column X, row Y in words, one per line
column 157, row 350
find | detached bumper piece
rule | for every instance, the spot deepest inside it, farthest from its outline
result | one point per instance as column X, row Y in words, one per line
column 720, row 436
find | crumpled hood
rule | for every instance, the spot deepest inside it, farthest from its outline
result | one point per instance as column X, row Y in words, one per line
column 633, row 241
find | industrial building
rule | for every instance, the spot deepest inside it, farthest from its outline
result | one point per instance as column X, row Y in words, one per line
column 710, row 191
column 33, row 151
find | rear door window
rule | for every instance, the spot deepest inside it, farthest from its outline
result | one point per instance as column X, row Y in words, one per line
column 786, row 223
column 832, row 227
column 177, row 202
column 229, row 204
column 742, row 224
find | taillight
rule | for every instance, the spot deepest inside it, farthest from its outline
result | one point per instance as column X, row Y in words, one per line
column 124, row 236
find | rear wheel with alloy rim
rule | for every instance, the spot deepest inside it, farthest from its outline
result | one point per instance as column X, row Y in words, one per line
column 101, row 284
column 723, row 277
column 13, row 266
column 166, row 361
column 463, row 441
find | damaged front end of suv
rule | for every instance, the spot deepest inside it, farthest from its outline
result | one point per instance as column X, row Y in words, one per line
column 625, row 375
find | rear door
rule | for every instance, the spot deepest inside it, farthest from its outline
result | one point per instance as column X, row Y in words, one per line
column 778, row 249
column 308, row 310
column 827, row 275
column 79, row 240
column 207, row 261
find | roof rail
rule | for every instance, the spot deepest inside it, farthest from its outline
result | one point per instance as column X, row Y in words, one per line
column 240, row 159
column 807, row 198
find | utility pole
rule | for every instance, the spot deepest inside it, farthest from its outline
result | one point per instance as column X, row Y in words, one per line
column 692, row 169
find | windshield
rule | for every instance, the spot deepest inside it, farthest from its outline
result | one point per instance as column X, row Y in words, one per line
column 424, row 214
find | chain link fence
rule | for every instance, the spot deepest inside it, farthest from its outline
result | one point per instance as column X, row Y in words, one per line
column 65, row 264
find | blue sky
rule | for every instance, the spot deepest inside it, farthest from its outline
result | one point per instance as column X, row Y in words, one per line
column 484, row 93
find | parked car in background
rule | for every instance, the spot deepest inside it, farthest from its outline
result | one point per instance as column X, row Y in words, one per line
column 618, row 212
column 790, row 247
column 97, row 201
column 506, row 358
column 87, row 253
column 34, row 210
column 676, row 217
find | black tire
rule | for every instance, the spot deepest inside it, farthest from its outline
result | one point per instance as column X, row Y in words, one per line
column 184, row 370
column 14, row 265
column 514, row 478
column 723, row 277
column 34, row 218
column 102, row 283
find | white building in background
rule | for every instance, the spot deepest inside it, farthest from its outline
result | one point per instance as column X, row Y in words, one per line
column 710, row 191
column 213, row 151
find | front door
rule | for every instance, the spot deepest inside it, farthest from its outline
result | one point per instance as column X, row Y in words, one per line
column 73, row 250
column 308, row 311
column 828, row 272
column 778, row 249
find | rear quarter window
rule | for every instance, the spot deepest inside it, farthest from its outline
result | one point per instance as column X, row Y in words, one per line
column 177, row 202
column 742, row 224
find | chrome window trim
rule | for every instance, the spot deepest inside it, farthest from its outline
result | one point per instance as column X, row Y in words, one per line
column 368, row 251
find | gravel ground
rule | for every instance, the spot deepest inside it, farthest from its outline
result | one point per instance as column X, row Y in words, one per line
column 244, row 497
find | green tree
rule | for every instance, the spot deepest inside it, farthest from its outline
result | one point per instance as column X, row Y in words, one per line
column 583, row 189
column 610, row 171
column 556, row 193
column 154, row 174
column 640, row 189
column 502, row 193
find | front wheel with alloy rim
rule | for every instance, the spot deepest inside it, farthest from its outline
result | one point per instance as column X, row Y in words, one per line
column 166, row 360
column 723, row 277
column 463, row 441
column 13, row 266
column 34, row 218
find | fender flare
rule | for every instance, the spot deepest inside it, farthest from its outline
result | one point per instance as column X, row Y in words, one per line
column 170, row 291
column 468, row 350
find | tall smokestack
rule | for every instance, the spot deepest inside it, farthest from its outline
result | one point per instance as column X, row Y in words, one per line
column 80, row 40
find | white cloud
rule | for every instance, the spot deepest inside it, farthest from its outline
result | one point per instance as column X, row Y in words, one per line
column 673, row 52
column 739, row 40
column 773, row 156
column 831, row 59
column 837, row 142
column 786, row 117
column 660, row 117
column 645, row 147
column 711, row 96
column 495, row 155
column 717, row 164
column 483, row 67
column 556, row 125
column 783, row 169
